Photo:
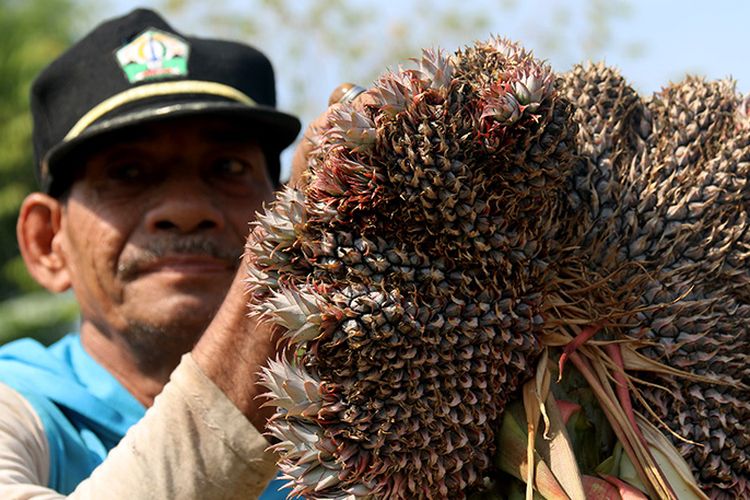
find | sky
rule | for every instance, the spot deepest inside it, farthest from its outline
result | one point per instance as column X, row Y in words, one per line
column 709, row 38
column 674, row 36
column 651, row 42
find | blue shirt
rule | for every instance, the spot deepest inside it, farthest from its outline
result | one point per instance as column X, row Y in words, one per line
column 85, row 411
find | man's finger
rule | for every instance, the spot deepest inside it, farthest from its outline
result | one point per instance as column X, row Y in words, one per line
column 346, row 92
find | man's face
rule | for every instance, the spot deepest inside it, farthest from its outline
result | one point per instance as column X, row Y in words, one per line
column 154, row 228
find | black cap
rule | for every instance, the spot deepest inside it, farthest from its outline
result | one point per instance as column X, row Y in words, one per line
column 136, row 69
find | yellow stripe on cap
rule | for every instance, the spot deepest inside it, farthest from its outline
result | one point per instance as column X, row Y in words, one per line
column 153, row 90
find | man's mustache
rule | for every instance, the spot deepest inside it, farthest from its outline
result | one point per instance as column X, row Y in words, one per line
column 138, row 258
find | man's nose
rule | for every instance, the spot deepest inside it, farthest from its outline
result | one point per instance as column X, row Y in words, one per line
column 184, row 207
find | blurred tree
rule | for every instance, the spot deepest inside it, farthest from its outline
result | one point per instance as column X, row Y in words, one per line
column 32, row 32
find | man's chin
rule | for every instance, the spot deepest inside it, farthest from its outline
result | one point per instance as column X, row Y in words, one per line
column 183, row 317
column 159, row 343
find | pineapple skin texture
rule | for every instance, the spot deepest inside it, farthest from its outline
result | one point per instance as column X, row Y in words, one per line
column 411, row 275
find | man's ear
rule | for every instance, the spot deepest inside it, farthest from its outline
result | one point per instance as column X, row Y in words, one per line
column 39, row 238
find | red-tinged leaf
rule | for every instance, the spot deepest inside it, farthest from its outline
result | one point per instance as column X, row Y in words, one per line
column 599, row 489
column 627, row 492
column 580, row 339
column 567, row 409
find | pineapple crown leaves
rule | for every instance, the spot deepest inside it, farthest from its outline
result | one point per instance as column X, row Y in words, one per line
column 511, row 51
column 518, row 92
column 283, row 219
column 392, row 92
column 259, row 282
column 312, row 462
column 297, row 311
column 344, row 180
column 323, row 482
column 501, row 105
column 292, row 389
column 350, row 128
column 532, row 85
column 274, row 233
column 395, row 90
column 323, row 211
column 298, row 441
column 435, row 69
column 309, row 464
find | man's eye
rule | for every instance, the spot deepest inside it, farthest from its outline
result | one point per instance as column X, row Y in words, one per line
column 231, row 167
column 126, row 172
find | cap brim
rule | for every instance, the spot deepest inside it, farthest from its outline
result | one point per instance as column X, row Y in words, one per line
column 275, row 129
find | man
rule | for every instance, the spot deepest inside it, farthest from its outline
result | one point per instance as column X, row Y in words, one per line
column 154, row 150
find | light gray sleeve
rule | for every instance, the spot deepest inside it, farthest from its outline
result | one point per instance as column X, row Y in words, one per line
column 193, row 443
column 24, row 452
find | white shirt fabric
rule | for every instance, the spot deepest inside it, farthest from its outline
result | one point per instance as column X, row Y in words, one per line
column 193, row 443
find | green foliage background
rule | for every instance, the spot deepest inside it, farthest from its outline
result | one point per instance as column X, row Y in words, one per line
column 32, row 32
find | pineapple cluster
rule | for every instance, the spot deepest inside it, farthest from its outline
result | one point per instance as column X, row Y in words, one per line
column 442, row 223
column 409, row 274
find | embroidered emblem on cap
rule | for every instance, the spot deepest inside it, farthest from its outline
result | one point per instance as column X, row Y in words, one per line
column 152, row 55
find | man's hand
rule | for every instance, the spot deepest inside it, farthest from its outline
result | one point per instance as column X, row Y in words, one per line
column 233, row 350
column 346, row 92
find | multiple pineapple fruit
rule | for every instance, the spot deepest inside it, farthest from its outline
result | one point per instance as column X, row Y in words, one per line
column 443, row 227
